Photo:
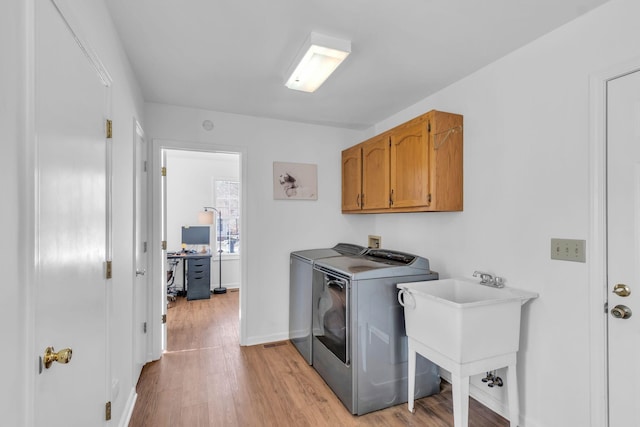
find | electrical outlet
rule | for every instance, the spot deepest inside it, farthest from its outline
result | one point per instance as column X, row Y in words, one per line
column 568, row 250
column 375, row 242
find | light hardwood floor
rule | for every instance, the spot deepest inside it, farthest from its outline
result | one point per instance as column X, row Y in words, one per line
column 207, row 379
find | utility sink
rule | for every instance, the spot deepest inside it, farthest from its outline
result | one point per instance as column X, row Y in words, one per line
column 466, row 328
column 462, row 319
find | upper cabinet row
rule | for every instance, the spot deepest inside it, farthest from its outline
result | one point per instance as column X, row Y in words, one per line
column 414, row 167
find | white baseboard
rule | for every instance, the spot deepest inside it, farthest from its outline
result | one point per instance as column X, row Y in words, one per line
column 128, row 409
column 267, row 339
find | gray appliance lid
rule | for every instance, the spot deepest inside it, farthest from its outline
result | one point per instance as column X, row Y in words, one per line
column 314, row 254
column 376, row 264
column 337, row 250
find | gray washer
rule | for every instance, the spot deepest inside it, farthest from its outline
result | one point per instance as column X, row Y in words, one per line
column 300, row 278
column 359, row 339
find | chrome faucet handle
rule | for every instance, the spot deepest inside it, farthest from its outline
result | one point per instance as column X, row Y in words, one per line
column 479, row 274
column 484, row 277
column 488, row 279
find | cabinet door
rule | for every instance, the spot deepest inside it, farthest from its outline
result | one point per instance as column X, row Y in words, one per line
column 375, row 173
column 410, row 166
column 351, row 178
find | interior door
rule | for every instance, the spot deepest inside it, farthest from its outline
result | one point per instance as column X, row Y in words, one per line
column 71, row 223
column 140, row 292
column 623, row 217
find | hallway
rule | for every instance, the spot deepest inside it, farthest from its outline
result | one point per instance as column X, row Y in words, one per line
column 206, row 379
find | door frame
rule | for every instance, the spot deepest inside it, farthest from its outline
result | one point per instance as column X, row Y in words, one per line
column 597, row 250
column 138, row 132
column 158, row 275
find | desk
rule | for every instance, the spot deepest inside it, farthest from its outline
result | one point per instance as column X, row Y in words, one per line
column 196, row 276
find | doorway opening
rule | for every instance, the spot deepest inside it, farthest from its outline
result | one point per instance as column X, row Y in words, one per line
column 194, row 176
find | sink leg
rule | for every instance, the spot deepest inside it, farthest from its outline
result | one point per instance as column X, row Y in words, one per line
column 411, row 380
column 460, row 391
column 512, row 391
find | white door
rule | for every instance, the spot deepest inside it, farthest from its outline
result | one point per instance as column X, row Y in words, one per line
column 623, row 259
column 71, row 224
column 140, row 300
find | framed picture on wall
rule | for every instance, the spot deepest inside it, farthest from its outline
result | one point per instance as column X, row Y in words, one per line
column 295, row 181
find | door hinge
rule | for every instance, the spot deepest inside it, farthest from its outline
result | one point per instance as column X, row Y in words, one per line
column 107, row 411
column 428, row 126
column 144, row 247
column 163, row 171
column 144, row 327
column 109, row 129
column 144, row 166
column 429, row 198
column 164, row 245
column 164, row 318
column 606, row 307
column 109, row 269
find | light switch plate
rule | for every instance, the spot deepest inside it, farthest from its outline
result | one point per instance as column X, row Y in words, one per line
column 568, row 250
column 375, row 242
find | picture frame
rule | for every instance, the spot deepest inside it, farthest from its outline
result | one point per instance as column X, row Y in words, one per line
column 295, row 181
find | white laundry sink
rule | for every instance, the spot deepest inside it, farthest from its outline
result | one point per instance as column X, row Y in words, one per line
column 461, row 319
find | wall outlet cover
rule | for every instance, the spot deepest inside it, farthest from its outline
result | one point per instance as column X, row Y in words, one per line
column 375, row 242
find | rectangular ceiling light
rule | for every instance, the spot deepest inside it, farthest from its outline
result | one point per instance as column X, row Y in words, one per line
column 317, row 59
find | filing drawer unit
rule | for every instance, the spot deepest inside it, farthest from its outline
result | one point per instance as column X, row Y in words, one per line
column 198, row 278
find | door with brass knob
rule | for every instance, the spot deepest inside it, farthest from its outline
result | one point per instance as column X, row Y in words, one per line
column 72, row 224
column 623, row 249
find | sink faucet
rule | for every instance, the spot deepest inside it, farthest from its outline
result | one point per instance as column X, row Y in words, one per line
column 488, row 280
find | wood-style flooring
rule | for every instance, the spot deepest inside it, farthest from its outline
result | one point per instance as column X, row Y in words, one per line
column 207, row 379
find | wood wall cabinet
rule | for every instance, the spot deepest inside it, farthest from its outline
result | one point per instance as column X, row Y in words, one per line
column 414, row 167
column 352, row 179
column 375, row 173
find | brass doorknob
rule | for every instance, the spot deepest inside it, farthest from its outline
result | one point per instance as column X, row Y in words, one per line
column 50, row 356
column 621, row 312
column 621, row 290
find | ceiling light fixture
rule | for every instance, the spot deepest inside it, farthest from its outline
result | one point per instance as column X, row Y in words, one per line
column 319, row 56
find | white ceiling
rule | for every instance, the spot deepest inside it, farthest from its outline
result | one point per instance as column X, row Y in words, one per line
column 232, row 55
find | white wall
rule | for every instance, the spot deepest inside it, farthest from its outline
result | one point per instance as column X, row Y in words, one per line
column 526, row 133
column 274, row 227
